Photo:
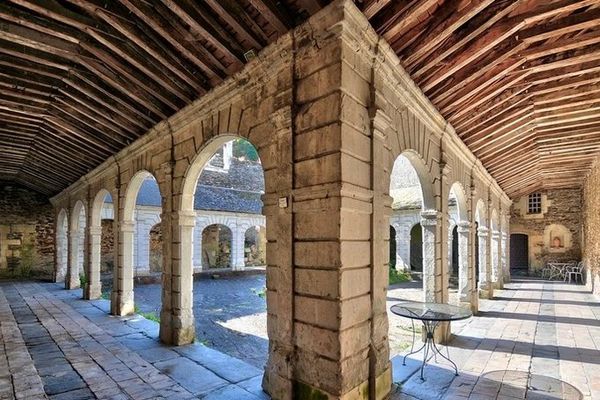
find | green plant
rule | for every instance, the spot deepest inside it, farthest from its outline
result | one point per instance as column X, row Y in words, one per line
column 243, row 148
column 262, row 293
column 150, row 316
column 396, row 276
column 28, row 260
column 82, row 280
column 105, row 295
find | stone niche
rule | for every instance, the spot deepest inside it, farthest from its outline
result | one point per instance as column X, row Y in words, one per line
column 557, row 238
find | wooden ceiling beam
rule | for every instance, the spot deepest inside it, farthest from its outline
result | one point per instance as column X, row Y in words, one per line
column 279, row 18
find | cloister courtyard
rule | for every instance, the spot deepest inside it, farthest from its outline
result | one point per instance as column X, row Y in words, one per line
column 299, row 199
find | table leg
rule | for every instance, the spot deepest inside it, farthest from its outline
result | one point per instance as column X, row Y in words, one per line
column 430, row 345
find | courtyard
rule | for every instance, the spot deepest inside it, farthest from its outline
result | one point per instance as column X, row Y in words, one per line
column 536, row 340
column 299, row 199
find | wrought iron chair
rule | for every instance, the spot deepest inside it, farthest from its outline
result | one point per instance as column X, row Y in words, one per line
column 575, row 272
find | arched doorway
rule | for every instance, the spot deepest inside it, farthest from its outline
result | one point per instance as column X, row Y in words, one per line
column 62, row 243
column 519, row 254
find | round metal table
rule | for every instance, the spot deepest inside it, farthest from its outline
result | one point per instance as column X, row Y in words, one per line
column 430, row 314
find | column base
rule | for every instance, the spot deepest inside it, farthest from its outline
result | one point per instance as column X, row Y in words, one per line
column 92, row 292
column 121, row 303
column 177, row 330
column 498, row 285
column 72, row 284
column 241, row 267
column 486, row 293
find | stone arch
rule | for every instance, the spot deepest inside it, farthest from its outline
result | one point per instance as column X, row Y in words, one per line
column 466, row 272
column 77, row 245
column 215, row 239
column 62, row 245
column 93, row 285
column 425, row 179
column 126, row 239
column 184, row 233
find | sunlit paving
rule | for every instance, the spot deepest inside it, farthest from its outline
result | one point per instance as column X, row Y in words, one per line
column 300, row 199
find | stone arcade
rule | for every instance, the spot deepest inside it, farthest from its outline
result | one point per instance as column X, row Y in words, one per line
column 329, row 110
column 324, row 98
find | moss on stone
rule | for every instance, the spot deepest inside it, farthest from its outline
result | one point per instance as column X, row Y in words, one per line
column 303, row 391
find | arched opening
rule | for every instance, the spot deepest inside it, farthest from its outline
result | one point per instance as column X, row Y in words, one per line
column 495, row 269
column 102, row 245
column 255, row 246
column 519, row 254
column 220, row 215
column 141, row 211
column 155, row 249
column 482, row 247
column 460, row 279
column 411, row 242
column 62, row 249
column 216, row 247
column 416, row 249
column 76, row 274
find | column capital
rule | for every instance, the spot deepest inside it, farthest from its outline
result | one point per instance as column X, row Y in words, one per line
column 483, row 232
column 96, row 230
column 496, row 234
column 430, row 217
column 184, row 218
column 463, row 227
column 127, row 226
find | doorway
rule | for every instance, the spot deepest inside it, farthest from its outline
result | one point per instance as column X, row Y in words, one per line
column 519, row 254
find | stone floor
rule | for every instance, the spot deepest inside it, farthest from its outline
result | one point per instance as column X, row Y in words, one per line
column 534, row 336
column 55, row 345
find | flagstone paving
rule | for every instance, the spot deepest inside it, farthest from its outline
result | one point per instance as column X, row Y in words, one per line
column 533, row 336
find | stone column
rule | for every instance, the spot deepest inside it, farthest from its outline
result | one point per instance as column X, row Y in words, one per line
column 506, row 257
column 197, row 247
column 122, row 294
column 237, row 249
column 72, row 278
column 402, row 249
column 431, row 270
column 464, row 277
column 93, row 286
column 496, row 270
column 484, row 273
column 177, row 316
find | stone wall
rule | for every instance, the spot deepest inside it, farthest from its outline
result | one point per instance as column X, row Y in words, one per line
column 26, row 229
column 555, row 233
column 107, row 252
column 591, row 228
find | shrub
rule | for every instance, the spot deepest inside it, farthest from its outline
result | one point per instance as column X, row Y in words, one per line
column 398, row 276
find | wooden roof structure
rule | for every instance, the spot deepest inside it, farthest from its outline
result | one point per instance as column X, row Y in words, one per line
column 81, row 79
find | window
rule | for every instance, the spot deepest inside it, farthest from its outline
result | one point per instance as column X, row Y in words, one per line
column 534, row 203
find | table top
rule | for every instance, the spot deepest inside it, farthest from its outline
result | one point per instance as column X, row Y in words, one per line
column 431, row 311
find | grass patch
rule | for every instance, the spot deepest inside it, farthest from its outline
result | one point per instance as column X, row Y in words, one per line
column 105, row 295
column 148, row 315
column 262, row 293
column 398, row 277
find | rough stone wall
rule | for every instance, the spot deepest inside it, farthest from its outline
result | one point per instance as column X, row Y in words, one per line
column 591, row 228
column 26, row 217
column 107, row 246
column 560, row 208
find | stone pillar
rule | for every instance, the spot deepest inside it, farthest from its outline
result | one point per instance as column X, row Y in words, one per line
column 464, row 277
column 93, row 286
column 177, row 315
column 72, row 278
column 402, row 249
column 496, row 267
column 122, row 294
column 506, row 257
column 484, row 273
column 198, row 247
column 237, row 249
column 432, row 274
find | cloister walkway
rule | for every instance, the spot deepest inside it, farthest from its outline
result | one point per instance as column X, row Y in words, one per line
column 532, row 328
column 54, row 345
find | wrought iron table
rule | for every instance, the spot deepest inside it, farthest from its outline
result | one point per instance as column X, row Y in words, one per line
column 430, row 314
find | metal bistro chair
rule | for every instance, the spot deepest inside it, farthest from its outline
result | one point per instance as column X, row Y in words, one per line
column 575, row 272
column 547, row 271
